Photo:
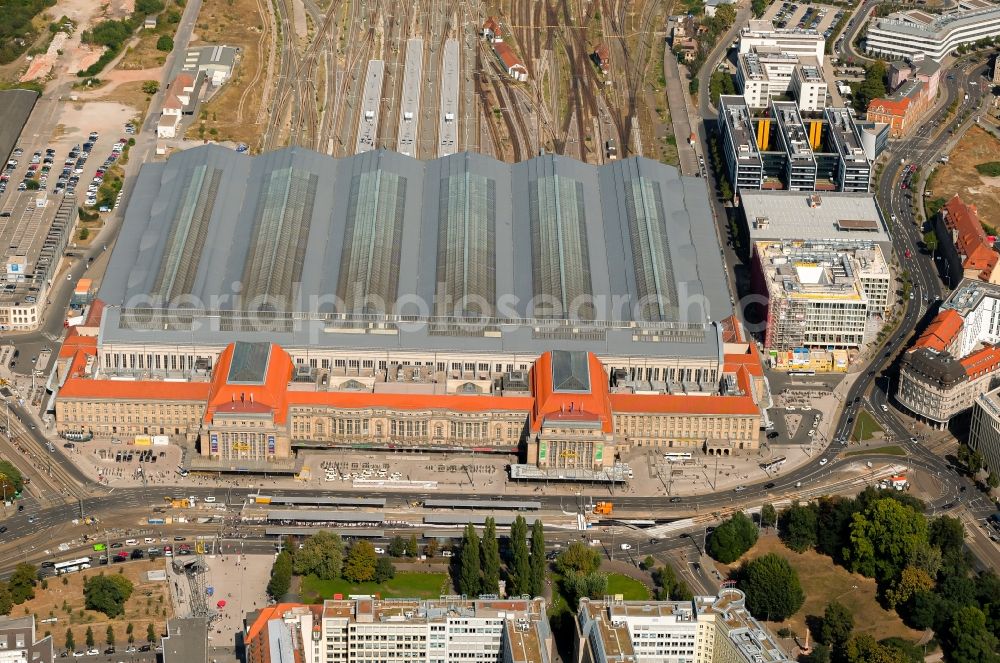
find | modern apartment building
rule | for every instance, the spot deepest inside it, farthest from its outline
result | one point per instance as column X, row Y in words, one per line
column 984, row 432
column 818, row 294
column 370, row 630
column 766, row 72
column 779, row 149
column 915, row 33
column 957, row 358
column 18, row 642
column 760, row 34
column 708, row 629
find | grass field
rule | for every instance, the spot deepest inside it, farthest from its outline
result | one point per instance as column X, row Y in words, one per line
column 960, row 175
column 236, row 23
column 404, row 585
column 891, row 450
column 865, row 427
column 630, row 588
column 149, row 603
column 824, row 581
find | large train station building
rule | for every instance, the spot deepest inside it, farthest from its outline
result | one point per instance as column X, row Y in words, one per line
column 253, row 305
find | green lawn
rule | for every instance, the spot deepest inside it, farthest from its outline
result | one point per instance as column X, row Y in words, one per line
column 865, row 427
column 891, row 450
column 404, row 585
column 631, row 589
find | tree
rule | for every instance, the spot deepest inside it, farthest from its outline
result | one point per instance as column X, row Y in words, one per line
column 947, row 533
column 576, row 585
column 970, row 458
column 281, row 575
column 13, row 477
column 862, row 648
column 911, row 581
column 150, row 633
column 648, row 564
column 772, row 587
column 967, row 638
column 669, row 586
column 70, row 643
column 883, row 539
column 412, row 548
column 431, row 549
column 993, row 480
column 732, row 538
column 520, row 569
column 693, row 86
column 837, row 625
column 321, row 555
column 150, row 87
column 107, row 594
column 397, row 546
column 109, row 636
column 768, row 516
column 22, row 583
column 489, row 550
column 758, row 7
column 537, row 584
column 578, row 557
column 470, row 567
column 6, row 602
column 931, row 240
column 165, row 44
column 361, row 562
column 384, row 570
column 129, row 632
column 798, row 527
column 90, row 637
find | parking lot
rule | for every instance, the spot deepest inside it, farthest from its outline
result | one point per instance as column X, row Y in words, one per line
column 799, row 15
column 57, row 154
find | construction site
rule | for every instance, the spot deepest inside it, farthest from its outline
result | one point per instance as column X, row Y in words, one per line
column 428, row 78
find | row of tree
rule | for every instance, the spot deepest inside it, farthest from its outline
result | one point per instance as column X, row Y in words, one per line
column 479, row 563
column 323, row 555
column 921, row 565
column 109, row 636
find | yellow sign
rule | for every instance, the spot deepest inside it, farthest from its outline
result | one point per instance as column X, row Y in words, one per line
column 143, row 441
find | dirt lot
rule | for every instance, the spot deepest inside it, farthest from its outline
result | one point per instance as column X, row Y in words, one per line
column 959, row 174
column 824, row 581
column 150, row 602
column 233, row 112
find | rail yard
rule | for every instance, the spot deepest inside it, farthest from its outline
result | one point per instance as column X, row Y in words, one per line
column 430, row 78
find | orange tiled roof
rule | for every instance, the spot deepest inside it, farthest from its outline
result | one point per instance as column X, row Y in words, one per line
column 505, row 53
column 889, row 106
column 548, row 402
column 94, row 314
column 971, row 241
column 941, row 332
column 986, row 360
column 682, row 404
column 145, row 390
column 492, row 25
column 267, row 614
column 273, row 393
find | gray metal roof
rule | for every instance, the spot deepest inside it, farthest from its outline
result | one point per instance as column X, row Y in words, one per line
column 15, row 107
column 790, row 216
column 325, row 250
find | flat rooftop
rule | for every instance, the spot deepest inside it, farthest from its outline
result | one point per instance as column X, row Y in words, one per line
column 385, row 252
column 788, row 215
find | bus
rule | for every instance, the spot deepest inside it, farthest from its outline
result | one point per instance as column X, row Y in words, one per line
column 72, row 566
column 773, row 464
column 677, row 456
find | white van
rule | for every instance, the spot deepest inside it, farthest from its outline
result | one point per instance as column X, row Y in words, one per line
column 210, row 499
column 131, row 542
column 885, row 408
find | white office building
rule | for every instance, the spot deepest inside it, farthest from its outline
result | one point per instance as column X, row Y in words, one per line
column 708, row 629
column 766, row 72
column 760, row 34
column 915, row 33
